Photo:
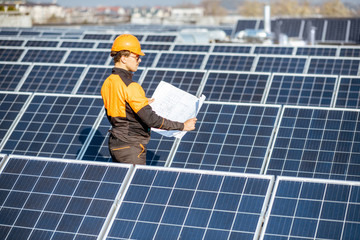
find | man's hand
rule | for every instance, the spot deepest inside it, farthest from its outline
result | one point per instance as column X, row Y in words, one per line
column 151, row 100
column 189, row 125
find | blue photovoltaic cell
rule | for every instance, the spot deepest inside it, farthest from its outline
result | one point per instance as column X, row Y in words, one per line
column 317, row 143
column 336, row 66
column 235, row 87
column 230, row 62
column 180, row 60
column 95, row 77
column 155, row 47
column 316, row 51
column 106, row 45
column 54, row 126
column 158, row 148
column 350, row 52
column 11, row 43
column 231, row 49
column 280, row 64
column 98, row 36
column 32, row 43
column 303, row 90
column 349, row 93
column 10, row 55
column 189, row 81
column 29, row 33
column 49, row 199
column 10, row 106
column 11, row 75
column 228, row 137
column 9, row 33
column 88, row 57
column 167, row 204
column 192, row 48
column 313, row 209
column 52, row 79
column 44, row 56
column 77, row 45
column 160, row 38
column 273, row 50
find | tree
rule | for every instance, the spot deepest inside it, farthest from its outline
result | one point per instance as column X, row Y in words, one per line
column 213, row 8
column 335, row 8
column 252, row 9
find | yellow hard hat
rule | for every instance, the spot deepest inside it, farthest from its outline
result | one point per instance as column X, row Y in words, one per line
column 127, row 42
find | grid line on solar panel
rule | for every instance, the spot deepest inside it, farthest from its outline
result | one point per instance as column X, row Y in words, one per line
column 95, row 77
column 50, row 199
column 316, row 51
column 336, row 66
column 222, row 48
column 10, row 54
column 11, row 75
column 229, row 137
column 235, row 86
column 284, row 64
column 52, row 78
column 41, row 43
column 44, row 55
column 273, row 50
column 180, row 60
column 87, row 56
column 304, row 90
column 172, row 204
column 54, row 126
column 349, row 52
column 230, row 62
column 187, row 80
column 11, row 105
column 313, row 209
column 348, row 93
column 317, row 143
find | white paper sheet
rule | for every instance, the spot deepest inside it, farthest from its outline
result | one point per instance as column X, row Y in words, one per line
column 175, row 104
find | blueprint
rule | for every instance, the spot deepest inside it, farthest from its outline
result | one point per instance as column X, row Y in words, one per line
column 175, row 104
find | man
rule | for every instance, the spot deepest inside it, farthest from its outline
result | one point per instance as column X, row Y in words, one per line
column 128, row 109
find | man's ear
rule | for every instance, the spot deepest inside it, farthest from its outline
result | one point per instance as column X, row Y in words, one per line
column 123, row 59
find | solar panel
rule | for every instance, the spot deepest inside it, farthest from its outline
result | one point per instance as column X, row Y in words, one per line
column 50, row 199
column 10, row 55
column 180, row 60
column 95, row 77
column 319, row 26
column 187, row 80
column 11, row 104
column 336, row 30
column 243, row 24
column 162, row 203
column 88, row 57
column 336, row 66
column 317, row 143
column 349, row 52
column 231, row 49
column 54, row 126
column 69, row 44
column 11, row 75
column 11, row 43
column 29, row 33
column 52, row 78
column 9, row 33
column 281, row 64
column 348, row 95
column 158, row 149
column 303, row 90
column 98, row 36
column 44, row 55
column 354, row 33
column 155, row 47
column 229, row 137
column 313, row 209
column 37, row 43
column 106, row 45
column 289, row 26
column 274, row 50
column 235, row 86
column 160, row 38
column 229, row 62
column 192, row 48
column 316, row 51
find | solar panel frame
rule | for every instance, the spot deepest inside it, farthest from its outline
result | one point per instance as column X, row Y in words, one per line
column 148, row 207
column 68, row 199
column 312, row 206
column 334, row 66
column 315, row 143
column 301, row 89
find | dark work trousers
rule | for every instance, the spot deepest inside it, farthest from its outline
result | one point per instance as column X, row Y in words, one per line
column 126, row 153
